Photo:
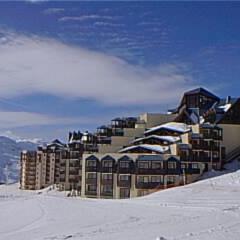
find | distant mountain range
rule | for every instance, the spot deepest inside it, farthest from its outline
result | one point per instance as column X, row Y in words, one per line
column 10, row 150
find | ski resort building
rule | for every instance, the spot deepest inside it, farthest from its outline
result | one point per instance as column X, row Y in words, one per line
column 128, row 175
column 135, row 156
column 28, row 169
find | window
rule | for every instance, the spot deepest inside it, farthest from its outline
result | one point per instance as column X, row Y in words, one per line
column 183, row 166
column 116, row 123
column 107, row 176
column 220, row 133
column 124, row 177
column 143, row 179
column 171, row 165
column 142, row 192
column 156, row 165
column 91, row 188
column 195, row 166
column 124, row 164
column 143, row 164
column 107, row 189
column 124, row 192
column 206, row 154
column 156, row 179
column 91, row 163
column 91, row 175
column 171, row 179
column 108, row 164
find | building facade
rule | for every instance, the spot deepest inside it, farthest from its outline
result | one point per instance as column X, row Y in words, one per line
column 128, row 175
column 133, row 157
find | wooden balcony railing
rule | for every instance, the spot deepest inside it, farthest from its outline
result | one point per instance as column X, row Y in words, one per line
column 124, row 183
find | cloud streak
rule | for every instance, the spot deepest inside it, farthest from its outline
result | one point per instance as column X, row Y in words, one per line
column 50, row 11
column 11, row 119
column 31, row 65
column 84, row 18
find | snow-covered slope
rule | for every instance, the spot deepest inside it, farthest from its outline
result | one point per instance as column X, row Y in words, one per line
column 9, row 157
column 206, row 210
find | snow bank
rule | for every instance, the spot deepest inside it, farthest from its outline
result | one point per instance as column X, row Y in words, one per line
column 206, row 210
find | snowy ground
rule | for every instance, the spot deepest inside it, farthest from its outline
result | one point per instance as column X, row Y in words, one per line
column 207, row 210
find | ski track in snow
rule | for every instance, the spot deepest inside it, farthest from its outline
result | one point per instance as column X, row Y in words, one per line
column 207, row 210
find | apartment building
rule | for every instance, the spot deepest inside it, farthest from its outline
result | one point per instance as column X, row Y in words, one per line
column 200, row 106
column 121, row 131
column 128, row 175
column 48, row 164
column 70, row 167
column 28, row 170
column 170, row 154
column 135, row 156
column 55, row 163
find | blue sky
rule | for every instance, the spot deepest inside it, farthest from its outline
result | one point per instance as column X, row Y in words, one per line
column 76, row 65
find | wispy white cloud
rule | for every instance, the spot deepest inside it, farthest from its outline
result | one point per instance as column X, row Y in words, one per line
column 50, row 11
column 21, row 119
column 32, row 65
column 84, row 18
column 36, row 1
column 108, row 24
column 11, row 119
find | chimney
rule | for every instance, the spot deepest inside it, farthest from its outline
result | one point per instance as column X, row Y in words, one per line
column 228, row 99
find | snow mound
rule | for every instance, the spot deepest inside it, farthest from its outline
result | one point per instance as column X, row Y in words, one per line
column 208, row 209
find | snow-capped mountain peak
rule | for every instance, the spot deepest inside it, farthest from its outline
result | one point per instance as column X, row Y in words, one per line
column 10, row 150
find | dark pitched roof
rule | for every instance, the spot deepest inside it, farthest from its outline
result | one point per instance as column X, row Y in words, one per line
column 201, row 91
column 125, row 158
column 108, row 158
column 117, row 119
column 103, row 127
column 92, row 157
column 56, row 141
column 221, row 114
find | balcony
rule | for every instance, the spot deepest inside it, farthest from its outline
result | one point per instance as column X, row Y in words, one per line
column 201, row 147
column 125, row 170
column 62, row 179
column 150, row 171
column 191, row 171
column 216, row 148
column 30, row 168
column 149, row 185
column 203, row 159
column 107, row 181
column 74, row 179
column 74, row 172
column 91, row 181
column 107, row 194
column 92, row 169
column 184, row 158
column 107, row 169
column 216, row 160
column 104, row 140
column 212, row 136
column 90, row 148
column 124, row 183
column 90, row 193
column 174, row 171
column 74, row 164
column 31, row 174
